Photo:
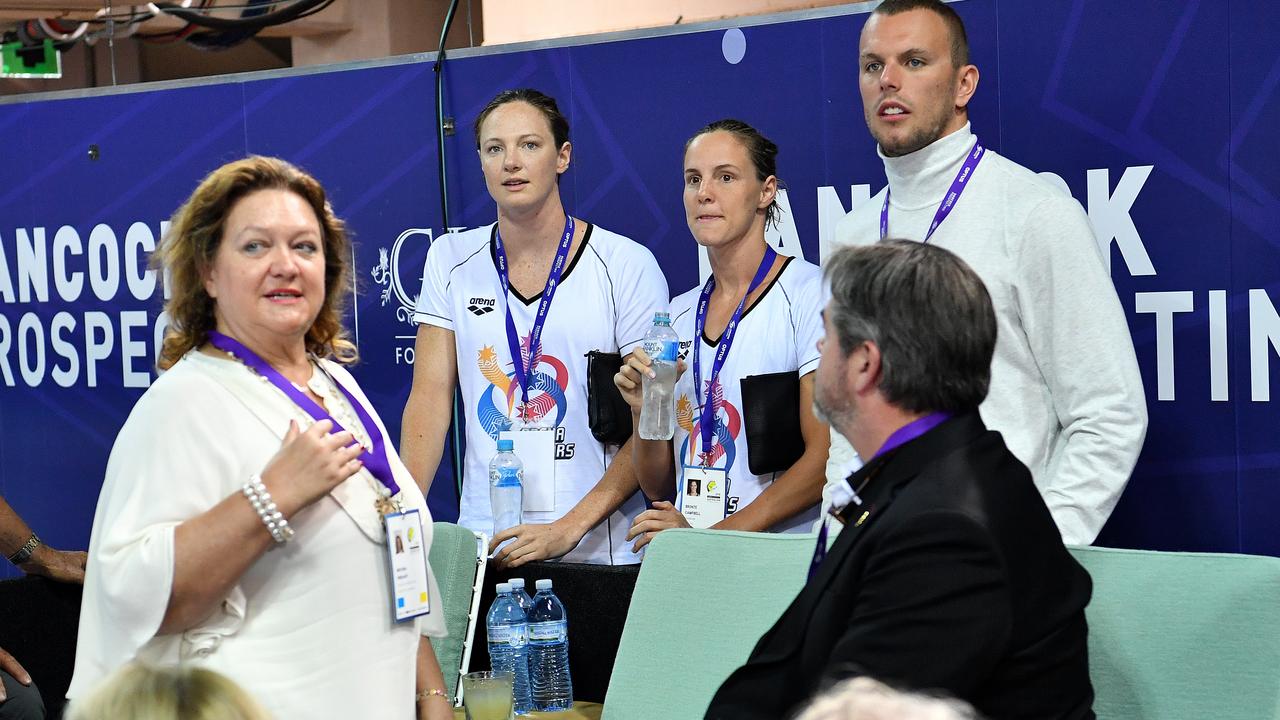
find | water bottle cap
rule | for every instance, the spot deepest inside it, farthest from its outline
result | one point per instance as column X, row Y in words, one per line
column 543, row 584
column 505, row 445
column 516, row 583
column 503, row 588
column 661, row 318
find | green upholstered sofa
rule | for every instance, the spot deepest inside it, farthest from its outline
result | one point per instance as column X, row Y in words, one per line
column 1172, row 636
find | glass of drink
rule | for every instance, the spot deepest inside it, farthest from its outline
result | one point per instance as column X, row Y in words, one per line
column 488, row 695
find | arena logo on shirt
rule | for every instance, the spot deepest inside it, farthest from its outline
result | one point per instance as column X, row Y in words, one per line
column 500, row 403
column 481, row 306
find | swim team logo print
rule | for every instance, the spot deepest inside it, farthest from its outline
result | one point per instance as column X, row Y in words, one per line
column 501, row 402
column 728, row 426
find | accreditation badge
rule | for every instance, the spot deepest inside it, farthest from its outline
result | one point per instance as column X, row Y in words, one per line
column 702, row 495
column 410, row 590
column 536, row 448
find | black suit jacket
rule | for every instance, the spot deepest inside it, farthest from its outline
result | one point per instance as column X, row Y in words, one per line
column 955, row 579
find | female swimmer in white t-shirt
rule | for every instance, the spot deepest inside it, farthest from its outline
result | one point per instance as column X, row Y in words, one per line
column 730, row 186
column 522, row 140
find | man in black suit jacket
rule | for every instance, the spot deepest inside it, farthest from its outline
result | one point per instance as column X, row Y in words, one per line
column 949, row 573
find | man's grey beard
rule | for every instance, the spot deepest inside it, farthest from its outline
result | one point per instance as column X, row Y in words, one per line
column 819, row 413
column 830, row 418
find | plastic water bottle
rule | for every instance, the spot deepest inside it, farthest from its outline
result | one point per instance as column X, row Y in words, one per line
column 508, row 630
column 506, row 487
column 520, row 594
column 658, row 414
column 549, row 652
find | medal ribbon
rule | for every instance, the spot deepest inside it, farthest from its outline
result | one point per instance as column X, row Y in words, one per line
column 708, row 408
column 375, row 458
column 949, row 202
column 524, row 364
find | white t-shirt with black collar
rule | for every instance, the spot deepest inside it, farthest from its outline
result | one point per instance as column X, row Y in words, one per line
column 605, row 301
column 779, row 333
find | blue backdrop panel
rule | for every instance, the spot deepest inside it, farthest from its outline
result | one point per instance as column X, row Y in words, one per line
column 1249, row 157
column 54, row 440
column 1092, row 98
column 1160, row 117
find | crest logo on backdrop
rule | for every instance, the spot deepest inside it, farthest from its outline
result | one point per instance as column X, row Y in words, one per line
column 399, row 273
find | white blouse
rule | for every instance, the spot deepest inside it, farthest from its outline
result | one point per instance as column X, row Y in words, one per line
column 308, row 629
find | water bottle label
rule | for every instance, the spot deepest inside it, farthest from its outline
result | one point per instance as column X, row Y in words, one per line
column 661, row 350
column 550, row 631
column 670, row 349
column 507, row 477
column 513, row 635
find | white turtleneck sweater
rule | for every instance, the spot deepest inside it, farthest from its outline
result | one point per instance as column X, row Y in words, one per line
column 1065, row 389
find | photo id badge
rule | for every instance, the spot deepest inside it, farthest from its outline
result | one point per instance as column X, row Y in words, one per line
column 536, row 448
column 702, row 495
column 409, row 587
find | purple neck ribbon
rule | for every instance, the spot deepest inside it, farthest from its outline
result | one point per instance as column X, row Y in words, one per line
column 900, row 437
column 711, row 405
column 525, row 363
column 949, row 202
column 911, row 431
column 375, row 459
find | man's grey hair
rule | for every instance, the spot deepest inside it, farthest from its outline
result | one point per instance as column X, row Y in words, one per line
column 928, row 313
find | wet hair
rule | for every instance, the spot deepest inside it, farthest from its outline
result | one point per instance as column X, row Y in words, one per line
column 955, row 26
column 188, row 249
column 762, row 151
column 929, row 314
column 541, row 102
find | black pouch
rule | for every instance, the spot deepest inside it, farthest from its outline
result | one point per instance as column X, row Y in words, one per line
column 608, row 414
column 771, row 414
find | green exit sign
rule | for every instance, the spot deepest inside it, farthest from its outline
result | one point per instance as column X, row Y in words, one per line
column 35, row 61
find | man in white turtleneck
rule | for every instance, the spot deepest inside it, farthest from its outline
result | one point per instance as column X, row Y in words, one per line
column 1065, row 389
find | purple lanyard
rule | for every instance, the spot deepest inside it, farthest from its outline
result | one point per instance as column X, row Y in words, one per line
column 526, row 362
column 949, row 202
column 911, row 431
column 726, row 340
column 375, row 458
column 901, row 436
